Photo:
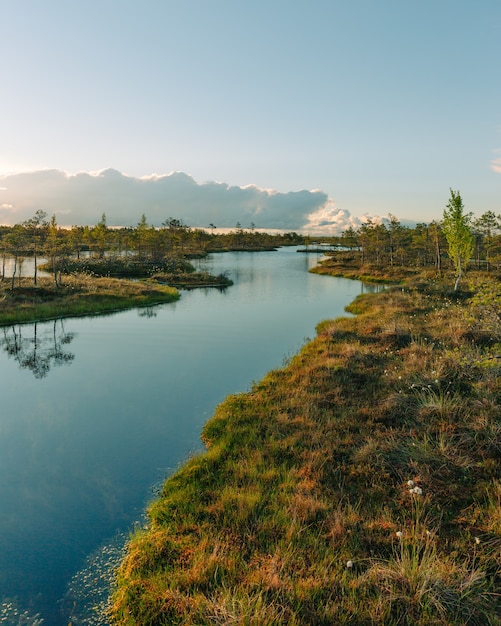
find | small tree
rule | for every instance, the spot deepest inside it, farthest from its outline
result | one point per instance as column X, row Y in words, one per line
column 54, row 248
column 36, row 229
column 487, row 225
column 456, row 227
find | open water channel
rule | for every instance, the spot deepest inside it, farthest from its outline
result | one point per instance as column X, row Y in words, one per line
column 96, row 412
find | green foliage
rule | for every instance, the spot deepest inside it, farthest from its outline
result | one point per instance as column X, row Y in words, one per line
column 457, row 230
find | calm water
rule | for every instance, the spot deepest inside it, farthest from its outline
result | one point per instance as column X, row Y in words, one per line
column 96, row 412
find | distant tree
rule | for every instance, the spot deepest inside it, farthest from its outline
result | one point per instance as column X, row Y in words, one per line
column 55, row 246
column 36, row 229
column 76, row 238
column 421, row 244
column 437, row 235
column 398, row 240
column 487, row 225
column 99, row 235
column 457, row 230
column 141, row 235
column 15, row 245
column 349, row 238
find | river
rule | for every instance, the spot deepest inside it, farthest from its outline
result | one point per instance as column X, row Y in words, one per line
column 97, row 411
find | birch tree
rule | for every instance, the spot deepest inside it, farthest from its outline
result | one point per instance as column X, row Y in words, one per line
column 457, row 231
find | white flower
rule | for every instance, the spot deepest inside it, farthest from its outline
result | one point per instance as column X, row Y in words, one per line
column 417, row 490
column 410, row 483
column 477, row 540
column 399, row 534
column 349, row 564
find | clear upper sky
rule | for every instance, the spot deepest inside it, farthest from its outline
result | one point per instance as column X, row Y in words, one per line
column 381, row 104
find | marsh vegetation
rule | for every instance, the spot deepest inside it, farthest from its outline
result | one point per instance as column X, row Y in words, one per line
column 358, row 484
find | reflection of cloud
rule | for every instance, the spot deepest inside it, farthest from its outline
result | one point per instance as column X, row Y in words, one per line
column 83, row 197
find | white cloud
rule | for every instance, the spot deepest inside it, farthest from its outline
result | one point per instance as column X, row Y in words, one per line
column 496, row 165
column 83, row 197
column 329, row 220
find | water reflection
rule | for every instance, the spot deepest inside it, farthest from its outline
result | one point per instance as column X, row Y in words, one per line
column 38, row 347
column 372, row 287
column 81, row 449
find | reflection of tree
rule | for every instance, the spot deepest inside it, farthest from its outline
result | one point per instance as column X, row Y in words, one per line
column 147, row 311
column 41, row 350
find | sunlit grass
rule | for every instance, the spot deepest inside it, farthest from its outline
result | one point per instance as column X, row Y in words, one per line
column 78, row 295
column 359, row 484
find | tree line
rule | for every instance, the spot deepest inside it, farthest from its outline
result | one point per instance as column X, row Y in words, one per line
column 458, row 238
column 39, row 236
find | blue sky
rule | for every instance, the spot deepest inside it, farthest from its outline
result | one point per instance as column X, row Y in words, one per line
column 383, row 106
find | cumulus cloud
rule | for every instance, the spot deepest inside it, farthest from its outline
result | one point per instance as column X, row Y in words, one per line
column 83, row 197
column 496, row 165
column 329, row 220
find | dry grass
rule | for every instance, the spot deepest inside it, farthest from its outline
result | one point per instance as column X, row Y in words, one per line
column 385, row 423
column 78, row 295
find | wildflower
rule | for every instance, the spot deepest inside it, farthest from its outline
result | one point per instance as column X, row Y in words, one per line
column 417, row 490
column 349, row 564
column 477, row 540
column 410, row 483
column 399, row 534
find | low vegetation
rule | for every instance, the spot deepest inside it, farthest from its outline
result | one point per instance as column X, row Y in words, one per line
column 359, row 484
column 76, row 295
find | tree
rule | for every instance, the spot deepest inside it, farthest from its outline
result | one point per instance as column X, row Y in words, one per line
column 36, row 229
column 55, row 248
column 457, row 230
column 15, row 243
column 100, row 236
column 487, row 225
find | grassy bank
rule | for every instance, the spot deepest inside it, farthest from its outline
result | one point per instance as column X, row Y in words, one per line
column 78, row 295
column 348, row 265
column 360, row 484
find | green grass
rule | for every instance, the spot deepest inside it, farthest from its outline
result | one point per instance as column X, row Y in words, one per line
column 78, row 295
column 309, row 472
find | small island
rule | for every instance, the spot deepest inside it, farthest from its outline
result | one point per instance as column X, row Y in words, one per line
column 98, row 269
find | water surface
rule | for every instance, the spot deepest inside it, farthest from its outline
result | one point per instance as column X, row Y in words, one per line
column 97, row 411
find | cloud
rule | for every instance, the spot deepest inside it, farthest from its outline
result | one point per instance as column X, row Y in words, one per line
column 83, row 197
column 496, row 165
column 329, row 220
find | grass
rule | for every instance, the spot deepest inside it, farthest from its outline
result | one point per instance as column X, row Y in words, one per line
column 359, row 484
column 78, row 295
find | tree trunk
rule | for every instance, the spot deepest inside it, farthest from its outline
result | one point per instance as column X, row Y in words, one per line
column 13, row 273
column 460, row 273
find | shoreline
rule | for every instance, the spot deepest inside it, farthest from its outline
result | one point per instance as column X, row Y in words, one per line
column 301, row 507
column 78, row 296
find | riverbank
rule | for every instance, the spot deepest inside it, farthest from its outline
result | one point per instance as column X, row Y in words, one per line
column 359, row 484
column 77, row 295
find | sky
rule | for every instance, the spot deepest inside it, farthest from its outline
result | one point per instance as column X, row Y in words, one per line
column 298, row 115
